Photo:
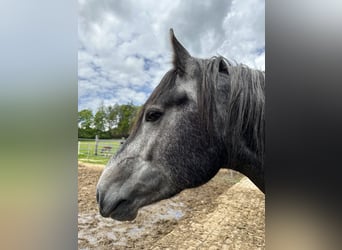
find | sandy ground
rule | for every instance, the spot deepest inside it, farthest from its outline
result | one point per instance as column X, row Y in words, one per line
column 226, row 213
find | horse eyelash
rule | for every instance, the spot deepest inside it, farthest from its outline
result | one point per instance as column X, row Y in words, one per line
column 153, row 115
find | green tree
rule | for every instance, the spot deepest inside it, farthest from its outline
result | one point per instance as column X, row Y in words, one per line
column 108, row 122
column 85, row 124
column 85, row 119
column 100, row 119
column 126, row 114
column 112, row 116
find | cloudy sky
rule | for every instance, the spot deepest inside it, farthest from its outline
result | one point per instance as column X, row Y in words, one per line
column 124, row 47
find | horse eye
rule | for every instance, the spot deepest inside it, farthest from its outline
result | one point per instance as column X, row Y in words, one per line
column 153, row 116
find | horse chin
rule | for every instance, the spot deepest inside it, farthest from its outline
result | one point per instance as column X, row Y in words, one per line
column 128, row 215
column 124, row 211
column 127, row 210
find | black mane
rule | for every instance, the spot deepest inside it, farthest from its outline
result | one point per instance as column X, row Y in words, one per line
column 243, row 95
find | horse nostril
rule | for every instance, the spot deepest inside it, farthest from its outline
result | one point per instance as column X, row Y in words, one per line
column 97, row 196
column 149, row 156
column 100, row 201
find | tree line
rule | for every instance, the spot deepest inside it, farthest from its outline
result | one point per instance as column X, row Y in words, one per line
column 109, row 122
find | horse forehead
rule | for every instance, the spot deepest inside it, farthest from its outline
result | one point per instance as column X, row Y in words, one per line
column 189, row 87
column 188, row 83
column 196, row 66
column 194, row 71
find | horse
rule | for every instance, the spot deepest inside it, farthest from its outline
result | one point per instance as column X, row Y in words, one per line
column 204, row 115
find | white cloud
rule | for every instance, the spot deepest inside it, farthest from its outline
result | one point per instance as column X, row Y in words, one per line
column 245, row 33
column 124, row 47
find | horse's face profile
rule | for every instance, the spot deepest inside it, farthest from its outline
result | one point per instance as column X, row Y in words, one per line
column 204, row 114
column 171, row 147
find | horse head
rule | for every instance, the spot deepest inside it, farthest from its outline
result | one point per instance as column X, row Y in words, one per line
column 177, row 142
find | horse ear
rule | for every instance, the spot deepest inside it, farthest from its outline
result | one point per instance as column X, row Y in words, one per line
column 180, row 54
column 223, row 67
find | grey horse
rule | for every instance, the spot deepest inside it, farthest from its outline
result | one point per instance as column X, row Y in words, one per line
column 204, row 115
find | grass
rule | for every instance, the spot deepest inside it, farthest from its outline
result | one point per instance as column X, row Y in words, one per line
column 105, row 150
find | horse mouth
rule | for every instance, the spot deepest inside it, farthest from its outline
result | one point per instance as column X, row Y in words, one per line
column 123, row 211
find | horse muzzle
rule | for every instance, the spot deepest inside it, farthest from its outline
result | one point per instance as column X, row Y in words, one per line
column 118, row 208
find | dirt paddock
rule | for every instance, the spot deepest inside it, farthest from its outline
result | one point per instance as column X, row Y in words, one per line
column 226, row 213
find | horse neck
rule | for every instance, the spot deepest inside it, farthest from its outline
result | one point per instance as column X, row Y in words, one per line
column 242, row 119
